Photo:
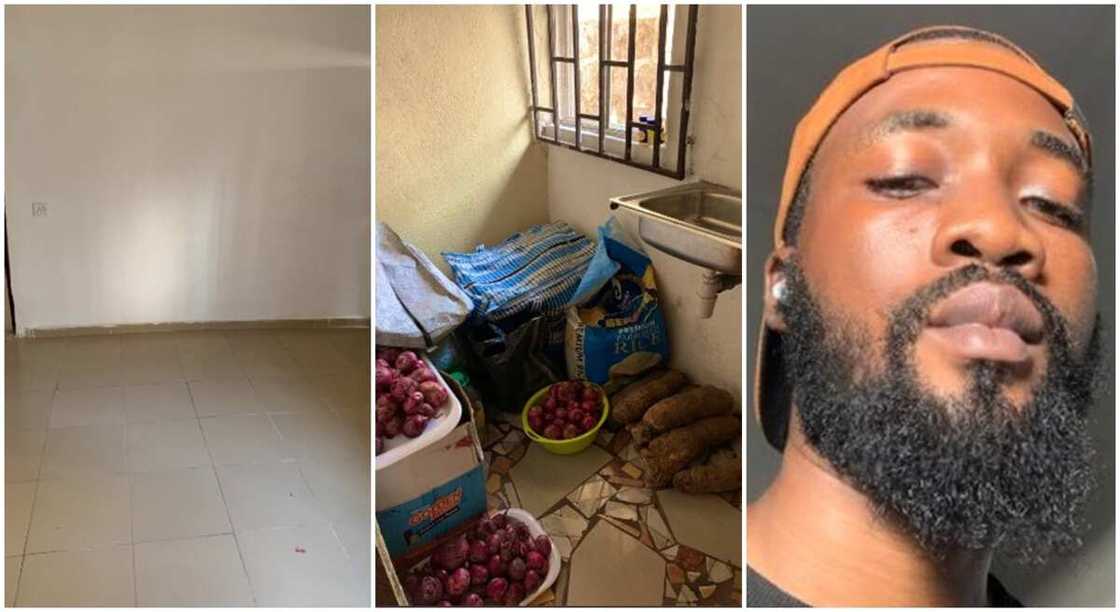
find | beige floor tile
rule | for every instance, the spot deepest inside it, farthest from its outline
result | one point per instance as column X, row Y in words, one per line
column 177, row 504
column 611, row 568
column 316, row 354
column 85, row 407
column 254, row 342
column 268, row 495
column 11, row 579
column 27, row 410
column 146, row 371
column 355, row 537
column 31, row 376
column 346, row 394
column 100, row 374
column 46, row 351
column 18, row 499
column 78, row 452
column 166, row 445
column 202, row 366
column 323, row 436
column 91, row 350
column 80, row 513
column 341, row 486
column 221, row 397
column 159, row 345
column 205, row 342
column 288, row 394
column 87, row 578
column 195, row 572
column 157, row 402
column 354, row 343
column 241, row 439
column 302, row 566
column 23, row 453
column 267, row 364
column 705, row 522
column 543, row 478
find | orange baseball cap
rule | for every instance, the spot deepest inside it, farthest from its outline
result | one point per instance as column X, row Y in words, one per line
column 923, row 48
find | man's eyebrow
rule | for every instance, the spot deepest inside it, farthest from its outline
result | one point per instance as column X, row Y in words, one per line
column 1060, row 149
column 905, row 120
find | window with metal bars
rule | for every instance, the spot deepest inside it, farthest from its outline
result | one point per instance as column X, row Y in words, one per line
column 614, row 82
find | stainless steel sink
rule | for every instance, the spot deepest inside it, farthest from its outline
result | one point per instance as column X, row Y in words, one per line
column 701, row 223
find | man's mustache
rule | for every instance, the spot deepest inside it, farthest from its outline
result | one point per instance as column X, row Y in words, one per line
column 909, row 318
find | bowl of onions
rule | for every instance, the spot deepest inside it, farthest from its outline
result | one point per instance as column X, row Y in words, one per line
column 506, row 559
column 564, row 417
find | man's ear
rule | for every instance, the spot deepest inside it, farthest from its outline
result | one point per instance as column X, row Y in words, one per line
column 776, row 288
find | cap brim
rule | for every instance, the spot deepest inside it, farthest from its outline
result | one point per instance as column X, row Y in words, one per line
column 772, row 397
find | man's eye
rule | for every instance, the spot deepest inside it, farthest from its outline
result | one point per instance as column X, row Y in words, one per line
column 1061, row 214
column 900, row 187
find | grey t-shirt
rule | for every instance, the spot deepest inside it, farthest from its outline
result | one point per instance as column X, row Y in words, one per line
column 761, row 593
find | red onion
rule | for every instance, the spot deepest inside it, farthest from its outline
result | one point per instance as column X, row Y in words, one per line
column 496, row 589
column 517, row 569
column 414, row 425
column 494, row 542
column 429, row 591
column 532, row 581
column 495, row 566
column 514, row 594
column 451, row 555
column 543, row 545
column 402, row 388
column 479, row 574
column 406, row 362
column 458, row 582
column 479, row 551
column 535, row 560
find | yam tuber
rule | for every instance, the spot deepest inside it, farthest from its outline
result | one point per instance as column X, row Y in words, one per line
column 687, row 407
column 722, row 472
column 671, row 452
column 629, row 404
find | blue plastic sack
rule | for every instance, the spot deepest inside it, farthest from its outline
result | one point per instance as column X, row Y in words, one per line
column 531, row 273
column 615, row 326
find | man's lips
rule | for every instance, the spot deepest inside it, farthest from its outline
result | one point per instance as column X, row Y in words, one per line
column 988, row 321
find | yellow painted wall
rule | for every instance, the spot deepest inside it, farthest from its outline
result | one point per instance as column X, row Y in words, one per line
column 456, row 165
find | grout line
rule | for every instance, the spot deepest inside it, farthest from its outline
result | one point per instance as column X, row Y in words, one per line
column 225, row 504
column 34, row 494
column 131, row 507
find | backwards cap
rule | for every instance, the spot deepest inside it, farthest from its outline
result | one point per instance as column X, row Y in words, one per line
column 924, row 48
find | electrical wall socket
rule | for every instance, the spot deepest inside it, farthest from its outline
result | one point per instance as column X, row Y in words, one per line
column 38, row 209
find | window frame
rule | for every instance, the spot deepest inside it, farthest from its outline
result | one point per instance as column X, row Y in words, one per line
column 611, row 143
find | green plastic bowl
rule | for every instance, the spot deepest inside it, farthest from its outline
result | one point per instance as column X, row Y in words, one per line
column 570, row 446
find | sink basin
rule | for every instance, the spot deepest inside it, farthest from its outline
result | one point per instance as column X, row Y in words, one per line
column 701, row 223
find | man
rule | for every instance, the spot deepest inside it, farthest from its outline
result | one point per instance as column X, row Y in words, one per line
column 929, row 332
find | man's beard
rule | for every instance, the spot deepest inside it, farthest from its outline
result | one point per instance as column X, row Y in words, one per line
column 970, row 472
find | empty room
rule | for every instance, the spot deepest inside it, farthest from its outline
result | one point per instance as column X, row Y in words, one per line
column 188, row 306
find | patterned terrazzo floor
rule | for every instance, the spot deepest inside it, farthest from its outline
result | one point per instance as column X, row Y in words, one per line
column 621, row 543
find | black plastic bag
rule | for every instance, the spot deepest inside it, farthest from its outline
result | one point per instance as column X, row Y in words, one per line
column 514, row 364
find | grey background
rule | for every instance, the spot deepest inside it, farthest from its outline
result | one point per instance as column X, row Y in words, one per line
column 793, row 52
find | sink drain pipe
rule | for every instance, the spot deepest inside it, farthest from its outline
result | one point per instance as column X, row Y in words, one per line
column 711, row 285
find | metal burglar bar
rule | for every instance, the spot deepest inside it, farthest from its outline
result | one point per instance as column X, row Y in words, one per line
column 605, row 65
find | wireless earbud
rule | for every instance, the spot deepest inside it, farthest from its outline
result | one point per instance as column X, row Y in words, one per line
column 778, row 290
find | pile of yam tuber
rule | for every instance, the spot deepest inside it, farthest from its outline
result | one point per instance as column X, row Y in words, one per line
column 684, row 432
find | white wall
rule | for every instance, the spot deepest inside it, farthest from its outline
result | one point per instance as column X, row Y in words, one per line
column 579, row 187
column 199, row 163
column 456, row 162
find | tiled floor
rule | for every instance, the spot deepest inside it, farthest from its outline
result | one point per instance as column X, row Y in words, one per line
column 197, row 468
column 621, row 543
